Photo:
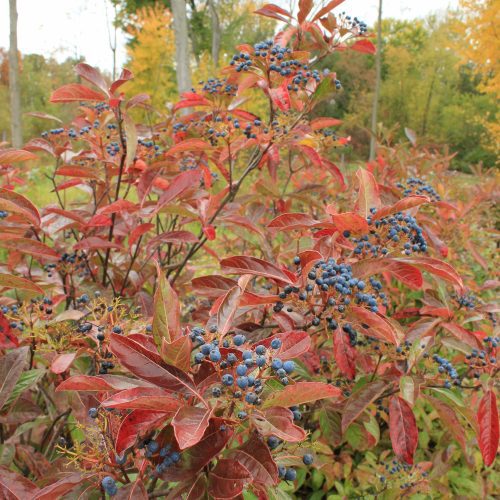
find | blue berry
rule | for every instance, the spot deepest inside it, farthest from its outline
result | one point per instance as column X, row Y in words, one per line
column 93, row 412
column 227, row 379
column 276, row 343
column 291, row 474
column 289, row 366
column 241, row 370
column 239, row 340
column 308, row 459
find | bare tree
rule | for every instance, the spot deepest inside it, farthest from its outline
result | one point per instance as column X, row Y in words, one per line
column 181, row 46
column 378, row 76
column 216, row 32
column 14, row 89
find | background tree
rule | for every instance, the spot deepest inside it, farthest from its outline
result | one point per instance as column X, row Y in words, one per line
column 15, row 93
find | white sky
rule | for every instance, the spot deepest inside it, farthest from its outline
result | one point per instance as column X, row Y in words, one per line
column 64, row 28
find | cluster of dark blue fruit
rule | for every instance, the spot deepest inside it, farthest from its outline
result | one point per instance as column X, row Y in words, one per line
column 330, row 289
column 467, row 300
column 445, row 367
column 216, row 86
column 69, row 263
column 387, row 234
column 484, row 359
column 167, row 456
column 352, row 24
column 109, row 486
column 407, row 475
column 113, row 148
column 243, row 371
column 414, row 186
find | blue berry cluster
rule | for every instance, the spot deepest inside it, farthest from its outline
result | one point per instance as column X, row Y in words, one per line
column 335, row 286
column 216, row 86
column 467, row 300
column 480, row 360
column 414, row 185
column 167, row 456
column 447, row 368
column 241, row 377
column 109, row 486
column 352, row 24
column 407, row 475
column 113, row 148
column 388, row 233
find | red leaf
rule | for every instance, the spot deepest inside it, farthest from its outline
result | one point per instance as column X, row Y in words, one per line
column 92, row 75
column 7, row 338
column 293, row 344
column 228, row 479
column 176, row 237
column 274, row 12
column 132, row 491
column 11, row 281
column 138, row 231
column 14, row 486
column 300, row 393
column 257, row 458
column 349, row 221
column 31, row 247
column 378, row 326
column 80, row 171
column 450, row 420
column 436, row 267
column 189, row 145
column 99, row 220
column 251, row 265
column 292, row 221
column 400, row 206
column 75, row 92
column 227, row 309
column 149, row 366
column 60, row 488
column 212, row 286
column 324, row 122
column 327, row 8
column 144, row 398
column 199, row 455
column 15, row 156
column 209, row 232
column 99, row 383
column 125, row 76
column 118, row 206
column 364, row 45
column 177, row 353
column 345, row 354
column 190, row 424
column 368, row 192
column 11, row 367
column 95, row 243
column 18, row 204
column 305, row 7
column 402, row 429
column 487, row 417
column 278, row 421
column 137, row 425
column 179, row 184
column 280, row 97
column 167, row 311
column 463, row 335
column 360, row 400
column 62, row 362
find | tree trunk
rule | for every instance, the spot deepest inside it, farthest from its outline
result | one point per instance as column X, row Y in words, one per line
column 181, row 46
column 14, row 90
column 378, row 76
column 216, row 33
column 423, row 129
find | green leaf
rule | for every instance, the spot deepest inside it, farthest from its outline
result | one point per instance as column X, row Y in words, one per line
column 25, row 381
column 166, row 317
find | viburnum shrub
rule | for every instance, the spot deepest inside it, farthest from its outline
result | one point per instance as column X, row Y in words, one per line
column 136, row 366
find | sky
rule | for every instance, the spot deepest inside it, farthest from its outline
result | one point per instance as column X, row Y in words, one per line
column 63, row 28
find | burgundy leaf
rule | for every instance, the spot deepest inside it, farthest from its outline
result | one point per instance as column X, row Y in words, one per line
column 487, row 417
column 190, row 424
column 228, row 479
column 278, row 421
column 251, row 265
column 345, row 354
column 402, row 429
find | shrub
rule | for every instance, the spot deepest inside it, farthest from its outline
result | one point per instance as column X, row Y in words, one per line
column 129, row 370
